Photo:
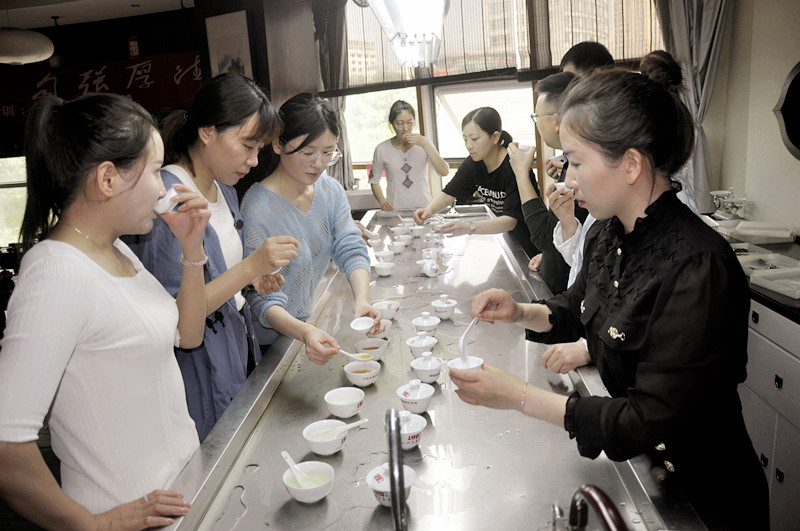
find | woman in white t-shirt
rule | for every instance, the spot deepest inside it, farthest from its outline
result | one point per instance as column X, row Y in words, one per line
column 209, row 148
column 90, row 332
column 405, row 159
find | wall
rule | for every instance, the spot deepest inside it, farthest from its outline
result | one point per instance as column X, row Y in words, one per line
column 763, row 47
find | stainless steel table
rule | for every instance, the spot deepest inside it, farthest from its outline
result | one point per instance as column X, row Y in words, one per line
column 477, row 468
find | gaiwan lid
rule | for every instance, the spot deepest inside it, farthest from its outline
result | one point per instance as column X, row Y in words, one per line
column 426, row 319
column 411, row 423
column 422, row 340
column 443, row 302
column 427, row 361
column 414, row 390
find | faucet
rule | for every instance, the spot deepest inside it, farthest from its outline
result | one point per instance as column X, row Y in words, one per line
column 600, row 502
column 396, row 479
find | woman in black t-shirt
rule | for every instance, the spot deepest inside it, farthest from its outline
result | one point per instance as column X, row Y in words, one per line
column 487, row 171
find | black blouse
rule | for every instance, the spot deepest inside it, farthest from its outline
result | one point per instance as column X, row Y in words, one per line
column 664, row 310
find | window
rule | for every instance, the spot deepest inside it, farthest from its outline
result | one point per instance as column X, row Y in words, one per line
column 513, row 100
column 367, row 118
column 13, row 195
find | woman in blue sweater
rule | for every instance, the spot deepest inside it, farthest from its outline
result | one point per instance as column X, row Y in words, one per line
column 299, row 199
column 209, row 148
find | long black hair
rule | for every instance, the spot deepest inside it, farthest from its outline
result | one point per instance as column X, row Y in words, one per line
column 64, row 141
column 228, row 100
column 488, row 119
column 620, row 109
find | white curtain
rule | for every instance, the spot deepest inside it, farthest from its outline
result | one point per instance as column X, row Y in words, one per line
column 693, row 33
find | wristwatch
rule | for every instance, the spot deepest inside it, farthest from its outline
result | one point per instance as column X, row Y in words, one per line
column 472, row 227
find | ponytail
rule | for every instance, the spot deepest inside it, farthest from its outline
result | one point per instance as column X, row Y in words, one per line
column 45, row 194
column 505, row 138
column 65, row 141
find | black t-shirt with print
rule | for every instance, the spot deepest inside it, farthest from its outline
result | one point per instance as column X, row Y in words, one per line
column 498, row 190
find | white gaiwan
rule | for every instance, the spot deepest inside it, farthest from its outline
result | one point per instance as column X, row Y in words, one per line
column 420, row 343
column 426, row 323
column 411, row 427
column 415, row 396
column 426, row 367
column 378, row 481
column 444, row 307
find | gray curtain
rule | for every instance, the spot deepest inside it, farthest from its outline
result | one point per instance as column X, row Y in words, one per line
column 331, row 35
column 693, row 33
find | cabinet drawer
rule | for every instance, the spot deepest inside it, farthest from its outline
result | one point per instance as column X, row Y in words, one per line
column 760, row 420
column 776, row 327
column 774, row 375
column 785, row 484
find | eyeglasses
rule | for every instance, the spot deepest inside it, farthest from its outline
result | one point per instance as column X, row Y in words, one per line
column 311, row 157
column 402, row 125
column 536, row 117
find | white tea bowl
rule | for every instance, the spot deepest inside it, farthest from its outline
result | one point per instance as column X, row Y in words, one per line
column 344, row 402
column 388, row 309
column 320, row 436
column 375, row 346
column 362, row 373
column 321, row 473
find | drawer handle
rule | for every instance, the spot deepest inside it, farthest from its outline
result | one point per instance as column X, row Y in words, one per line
column 778, row 382
column 764, row 460
column 754, row 317
column 779, row 475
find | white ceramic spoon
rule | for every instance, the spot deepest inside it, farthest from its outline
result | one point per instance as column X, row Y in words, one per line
column 357, row 357
column 462, row 342
column 302, row 479
column 338, row 432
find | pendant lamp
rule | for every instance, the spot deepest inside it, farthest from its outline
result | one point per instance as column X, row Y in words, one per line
column 20, row 46
column 413, row 27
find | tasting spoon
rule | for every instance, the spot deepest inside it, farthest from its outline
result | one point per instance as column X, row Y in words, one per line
column 358, row 357
column 302, row 479
column 462, row 342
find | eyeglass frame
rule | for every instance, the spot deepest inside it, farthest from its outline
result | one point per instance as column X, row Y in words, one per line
column 335, row 155
column 536, row 117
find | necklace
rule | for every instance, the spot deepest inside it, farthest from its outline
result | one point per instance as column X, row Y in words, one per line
column 123, row 269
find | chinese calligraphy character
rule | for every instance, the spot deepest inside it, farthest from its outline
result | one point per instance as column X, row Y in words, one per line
column 44, row 92
column 99, row 80
column 194, row 68
column 141, row 72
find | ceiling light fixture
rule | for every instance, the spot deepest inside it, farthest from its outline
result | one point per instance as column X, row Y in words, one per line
column 20, row 46
column 413, row 27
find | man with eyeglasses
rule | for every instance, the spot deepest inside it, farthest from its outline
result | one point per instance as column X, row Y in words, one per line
column 541, row 221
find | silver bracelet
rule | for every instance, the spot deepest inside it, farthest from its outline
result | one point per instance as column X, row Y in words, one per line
column 187, row 263
column 522, row 403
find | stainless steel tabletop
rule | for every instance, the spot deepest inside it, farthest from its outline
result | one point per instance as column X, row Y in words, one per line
column 477, row 468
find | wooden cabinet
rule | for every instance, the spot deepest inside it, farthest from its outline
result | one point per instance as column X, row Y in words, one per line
column 771, row 407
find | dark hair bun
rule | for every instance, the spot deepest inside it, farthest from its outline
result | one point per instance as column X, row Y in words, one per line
column 660, row 67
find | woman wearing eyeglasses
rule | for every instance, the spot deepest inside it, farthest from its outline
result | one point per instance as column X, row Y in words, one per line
column 210, row 148
column 299, row 199
column 405, row 158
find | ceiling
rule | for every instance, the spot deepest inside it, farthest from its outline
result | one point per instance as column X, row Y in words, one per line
column 38, row 13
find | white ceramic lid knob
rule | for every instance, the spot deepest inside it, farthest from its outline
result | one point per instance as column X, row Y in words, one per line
column 414, row 384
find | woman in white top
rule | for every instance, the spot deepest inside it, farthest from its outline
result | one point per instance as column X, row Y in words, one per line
column 405, row 159
column 90, row 332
